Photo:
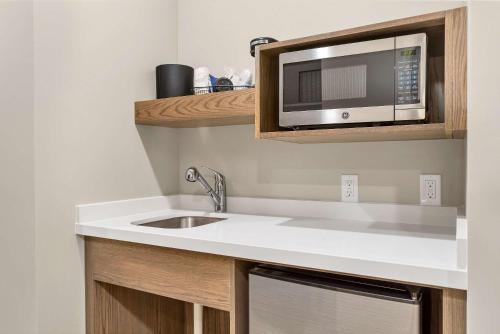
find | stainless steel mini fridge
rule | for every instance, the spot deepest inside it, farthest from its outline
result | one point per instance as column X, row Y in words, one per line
column 297, row 302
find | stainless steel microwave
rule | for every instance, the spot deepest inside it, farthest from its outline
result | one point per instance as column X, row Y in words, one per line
column 379, row 80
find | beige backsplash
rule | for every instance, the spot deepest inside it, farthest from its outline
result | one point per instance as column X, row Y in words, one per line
column 388, row 171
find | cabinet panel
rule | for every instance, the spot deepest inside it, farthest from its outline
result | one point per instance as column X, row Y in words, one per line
column 126, row 311
column 193, row 277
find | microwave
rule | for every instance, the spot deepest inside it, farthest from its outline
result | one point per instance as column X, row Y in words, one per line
column 380, row 80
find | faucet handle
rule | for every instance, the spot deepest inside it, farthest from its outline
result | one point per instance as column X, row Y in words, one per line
column 220, row 190
column 218, row 176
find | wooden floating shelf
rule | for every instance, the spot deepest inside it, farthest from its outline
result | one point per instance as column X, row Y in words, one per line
column 362, row 134
column 214, row 109
column 447, row 88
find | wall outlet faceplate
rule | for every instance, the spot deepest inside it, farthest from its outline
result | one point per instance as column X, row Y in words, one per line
column 349, row 188
column 430, row 189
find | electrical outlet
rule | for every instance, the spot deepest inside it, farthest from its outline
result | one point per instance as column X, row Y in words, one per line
column 349, row 188
column 430, row 189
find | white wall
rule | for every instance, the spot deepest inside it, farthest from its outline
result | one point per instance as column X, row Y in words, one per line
column 93, row 59
column 17, row 221
column 483, row 156
column 217, row 34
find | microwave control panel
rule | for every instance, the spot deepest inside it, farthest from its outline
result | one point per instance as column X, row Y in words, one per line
column 408, row 75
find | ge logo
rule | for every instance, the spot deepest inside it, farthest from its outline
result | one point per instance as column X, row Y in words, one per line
column 345, row 115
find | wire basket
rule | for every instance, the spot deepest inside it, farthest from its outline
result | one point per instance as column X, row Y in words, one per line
column 218, row 88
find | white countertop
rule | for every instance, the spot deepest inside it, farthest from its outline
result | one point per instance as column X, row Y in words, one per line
column 423, row 245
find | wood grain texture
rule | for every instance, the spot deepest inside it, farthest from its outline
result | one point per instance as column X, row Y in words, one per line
column 266, row 96
column 127, row 311
column 189, row 317
column 358, row 33
column 436, row 311
column 362, row 134
column 91, row 287
column 215, row 321
column 239, row 297
column 435, row 75
column 454, row 311
column 215, row 109
column 435, row 90
column 456, row 72
column 193, row 277
column 432, row 311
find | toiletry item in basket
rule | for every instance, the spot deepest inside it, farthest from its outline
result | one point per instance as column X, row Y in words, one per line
column 223, row 84
column 213, row 80
column 245, row 77
column 202, row 77
column 229, row 74
column 204, row 82
column 239, row 80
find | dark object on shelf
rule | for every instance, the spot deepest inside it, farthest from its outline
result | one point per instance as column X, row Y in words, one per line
column 212, row 89
column 223, row 84
column 174, row 80
column 258, row 41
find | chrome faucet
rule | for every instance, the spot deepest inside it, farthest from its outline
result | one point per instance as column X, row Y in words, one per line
column 218, row 195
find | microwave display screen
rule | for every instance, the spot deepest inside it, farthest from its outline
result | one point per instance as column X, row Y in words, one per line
column 406, row 53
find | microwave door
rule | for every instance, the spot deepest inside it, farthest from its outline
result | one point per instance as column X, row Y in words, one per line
column 302, row 86
column 358, row 88
column 348, row 83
